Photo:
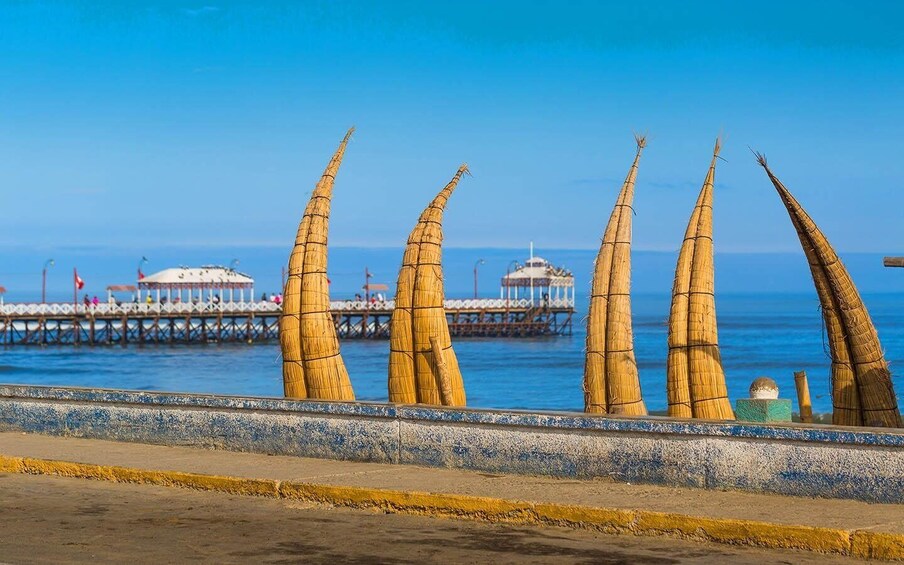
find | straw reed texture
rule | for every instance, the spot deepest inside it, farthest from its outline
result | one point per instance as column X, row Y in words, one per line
column 289, row 321
column 695, row 379
column 862, row 392
column 442, row 370
column 611, row 382
column 312, row 365
column 421, row 357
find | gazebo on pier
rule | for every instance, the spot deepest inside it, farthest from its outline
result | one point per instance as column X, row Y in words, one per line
column 538, row 275
column 131, row 289
column 208, row 283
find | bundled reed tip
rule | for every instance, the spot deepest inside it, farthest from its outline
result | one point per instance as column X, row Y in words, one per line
column 761, row 159
column 641, row 140
column 718, row 146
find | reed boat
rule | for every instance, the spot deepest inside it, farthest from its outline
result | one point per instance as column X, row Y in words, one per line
column 611, row 382
column 423, row 367
column 695, row 380
column 312, row 365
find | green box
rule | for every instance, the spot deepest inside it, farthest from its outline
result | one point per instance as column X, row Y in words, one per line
column 763, row 409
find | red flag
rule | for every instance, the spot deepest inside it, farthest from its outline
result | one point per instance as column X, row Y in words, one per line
column 79, row 283
column 140, row 274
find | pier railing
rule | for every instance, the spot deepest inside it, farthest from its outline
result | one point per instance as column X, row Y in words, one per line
column 133, row 308
column 262, row 307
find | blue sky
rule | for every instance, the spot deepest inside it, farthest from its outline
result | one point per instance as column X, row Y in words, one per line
column 177, row 123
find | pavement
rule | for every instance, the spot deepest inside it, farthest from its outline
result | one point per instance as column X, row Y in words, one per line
column 598, row 507
column 66, row 521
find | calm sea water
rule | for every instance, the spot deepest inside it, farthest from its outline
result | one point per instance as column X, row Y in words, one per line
column 771, row 334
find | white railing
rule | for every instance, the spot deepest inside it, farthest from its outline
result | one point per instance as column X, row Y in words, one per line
column 210, row 308
column 126, row 308
column 480, row 303
column 456, row 304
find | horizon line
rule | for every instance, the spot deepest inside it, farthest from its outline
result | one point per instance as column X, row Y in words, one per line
column 274, row 246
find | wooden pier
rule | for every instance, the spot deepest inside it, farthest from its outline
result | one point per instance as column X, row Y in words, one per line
column 249, row 322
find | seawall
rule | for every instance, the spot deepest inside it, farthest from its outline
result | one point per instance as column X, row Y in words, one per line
column 805, row 460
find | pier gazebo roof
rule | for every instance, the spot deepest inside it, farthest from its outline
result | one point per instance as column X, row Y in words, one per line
column 122, row 288
column 207, row 276
column 537, row 272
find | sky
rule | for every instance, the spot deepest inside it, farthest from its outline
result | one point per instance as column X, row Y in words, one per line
column 147, row 124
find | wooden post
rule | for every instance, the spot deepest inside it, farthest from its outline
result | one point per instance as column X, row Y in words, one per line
column 803, row 397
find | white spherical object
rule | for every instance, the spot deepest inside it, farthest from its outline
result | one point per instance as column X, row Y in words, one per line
column 764, row 388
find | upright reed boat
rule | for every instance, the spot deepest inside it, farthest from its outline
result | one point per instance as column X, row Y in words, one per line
column 695, row 379
column 312, row 365
column 611, row 382
column 862, row 392
column 422, row 364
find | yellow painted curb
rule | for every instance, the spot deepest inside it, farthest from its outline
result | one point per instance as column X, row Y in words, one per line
column 450, row 505
column 232, row 485
column 877, row 545
column 609, row 520
column 745, row 532
column 11, row 464
column 859, row 543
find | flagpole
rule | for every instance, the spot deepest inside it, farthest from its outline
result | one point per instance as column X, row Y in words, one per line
column 74, row 289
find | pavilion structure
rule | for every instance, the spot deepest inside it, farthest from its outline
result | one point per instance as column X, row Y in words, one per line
column 208, row 283
column 114, row 288
column 538, row 277
column 374, row 289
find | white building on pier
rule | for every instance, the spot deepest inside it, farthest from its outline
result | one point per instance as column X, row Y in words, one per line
column 538, row 280
column 208, row 283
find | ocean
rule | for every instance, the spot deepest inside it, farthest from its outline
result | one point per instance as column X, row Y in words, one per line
column 769, row 325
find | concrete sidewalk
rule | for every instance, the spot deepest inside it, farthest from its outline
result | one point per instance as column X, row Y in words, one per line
column 831, row 526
